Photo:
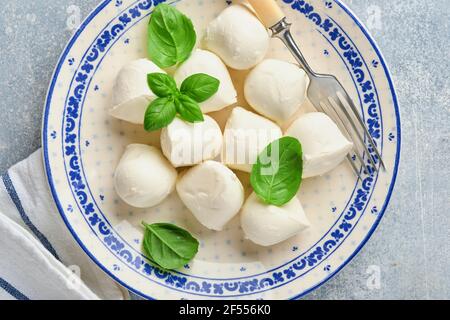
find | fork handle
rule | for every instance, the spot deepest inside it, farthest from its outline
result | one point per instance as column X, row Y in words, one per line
column 268, row 11
column 274, row 19
column 282, row 31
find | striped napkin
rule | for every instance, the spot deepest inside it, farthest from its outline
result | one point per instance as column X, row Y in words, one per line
column 39, row 259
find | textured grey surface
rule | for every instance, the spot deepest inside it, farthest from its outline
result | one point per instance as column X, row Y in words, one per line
column 411, row 247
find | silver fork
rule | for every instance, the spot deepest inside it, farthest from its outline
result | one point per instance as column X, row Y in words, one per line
column 325, row 92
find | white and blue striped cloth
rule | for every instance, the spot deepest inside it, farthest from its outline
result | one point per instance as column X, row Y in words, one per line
column 39, row 259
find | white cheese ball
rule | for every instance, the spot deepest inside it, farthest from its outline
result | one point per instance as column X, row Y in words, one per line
column 238, row 37
column 144, row 178
column 267, row 225
column 246, row 136
column 131, row 93
column 324, row 146
column 202, row 61
column 276, row 89
column 213, row 194
column 187, row 144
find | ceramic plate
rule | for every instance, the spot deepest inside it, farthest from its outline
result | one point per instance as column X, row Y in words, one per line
column 83, row 144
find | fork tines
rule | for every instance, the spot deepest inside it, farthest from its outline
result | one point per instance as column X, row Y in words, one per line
column 347, row 118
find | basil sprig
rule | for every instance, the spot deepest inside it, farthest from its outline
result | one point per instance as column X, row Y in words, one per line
column 169, row 246
column 161, row 84
column 199, row 87
column 171, row 36
column 160, row 114
column 171, row 39
column 162, row 111
column 277, row 174
column 188, row 109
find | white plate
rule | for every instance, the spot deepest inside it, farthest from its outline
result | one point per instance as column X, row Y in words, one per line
column 82, row 146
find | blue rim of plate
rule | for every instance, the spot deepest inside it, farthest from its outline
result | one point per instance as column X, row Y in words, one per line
column 62, row 211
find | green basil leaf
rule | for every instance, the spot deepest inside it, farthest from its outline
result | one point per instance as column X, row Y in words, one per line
column 171, row 36
column 277, row 174
column 200, row 87
column 168, row 245
column 160, row 113
column 189, row 109
column 162, row 84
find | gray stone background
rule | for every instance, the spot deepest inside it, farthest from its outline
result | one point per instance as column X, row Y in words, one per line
column 410, row 250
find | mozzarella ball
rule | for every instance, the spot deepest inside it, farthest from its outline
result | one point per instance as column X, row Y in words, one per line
column 246, row 136
column 324, row 146
column 144, row 178
column 206, row 62
column 267, row 225
column 276, row 89
column 238, row 37
column 131, row 94
column 213, row 194
column 187, row 144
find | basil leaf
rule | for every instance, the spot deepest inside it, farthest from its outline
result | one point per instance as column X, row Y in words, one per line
column 200, row 87
column 189, row 109
column 168, row 245
column 277, row 174
column 171, row 36
column 160, row 113
column 162, row 84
